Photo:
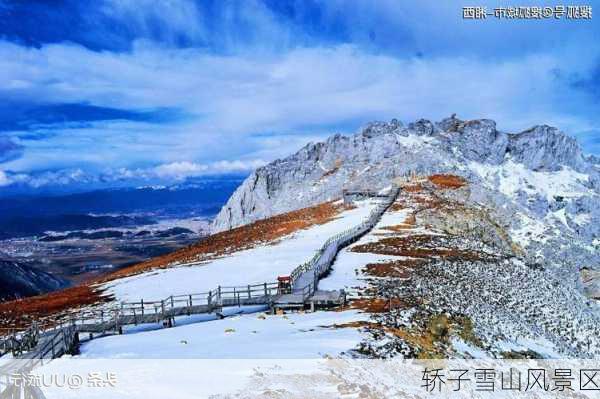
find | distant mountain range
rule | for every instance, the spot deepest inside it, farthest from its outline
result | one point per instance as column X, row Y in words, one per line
column 27, row 226
column 23, row 216
column 18, row 280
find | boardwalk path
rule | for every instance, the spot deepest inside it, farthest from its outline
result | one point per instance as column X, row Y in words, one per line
column 37, row 343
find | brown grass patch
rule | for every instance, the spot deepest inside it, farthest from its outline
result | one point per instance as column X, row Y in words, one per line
column 399, row 205
column 21, row 311
column 413, row 188
column 397, row 229
column 416, row 246
column 395, row 268
column 377, row 305
column 447, row 181
column 409, row 223
column 428, row 202
column 428, row 342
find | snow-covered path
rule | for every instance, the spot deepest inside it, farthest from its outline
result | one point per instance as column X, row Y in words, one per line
column 345, row 272
column 248, row 336
column 257, row 265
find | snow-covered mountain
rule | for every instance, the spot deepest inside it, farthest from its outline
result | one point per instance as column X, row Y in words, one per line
column 537, row 182
column 489, row 250
column 381, row 151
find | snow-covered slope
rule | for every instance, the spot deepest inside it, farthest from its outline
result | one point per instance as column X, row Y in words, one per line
column 262, row 263
column 246, row 336
column 538, row 182
column 382, row 151
column 435, row 254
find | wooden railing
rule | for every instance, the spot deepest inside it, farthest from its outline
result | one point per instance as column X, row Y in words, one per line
column 323, row 259
column 61, row 331
column 138, row 312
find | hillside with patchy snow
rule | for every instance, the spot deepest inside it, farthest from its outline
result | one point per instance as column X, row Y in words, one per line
column 490, row 250
column 438, row 277
column 537, row 183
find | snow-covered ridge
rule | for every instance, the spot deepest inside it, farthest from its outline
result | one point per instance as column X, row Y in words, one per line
column 537, row 183
column 381, row 151
column 258, row 264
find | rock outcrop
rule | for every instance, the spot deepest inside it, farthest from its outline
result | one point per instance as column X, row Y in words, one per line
column 381, row 151
column 537, row 181
column 544, row 148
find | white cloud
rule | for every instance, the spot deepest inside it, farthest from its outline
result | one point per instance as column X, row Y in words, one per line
column 238, row 103
column 169, row 172
column 4, row 180
column 184, row 169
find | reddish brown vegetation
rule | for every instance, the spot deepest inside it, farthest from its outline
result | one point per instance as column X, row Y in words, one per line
column 377, row 305
column 415, row 246
column 447, row 181
column 396, row 268
column 260, row 232
column 408, row 224
column 397, row 206
column 430, row 201
column 413, row 188
column 16, row 313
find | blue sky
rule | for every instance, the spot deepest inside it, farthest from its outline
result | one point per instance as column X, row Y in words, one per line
column 117, row 92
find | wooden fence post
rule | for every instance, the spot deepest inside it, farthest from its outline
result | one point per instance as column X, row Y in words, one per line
column 266, row 289
column 249, row 296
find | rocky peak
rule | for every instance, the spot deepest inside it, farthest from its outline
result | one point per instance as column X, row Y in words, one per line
column 422, row 127
column 382, row 151
column 545, row 148
column 375, row 129
column 480, row 141
column 449, row 124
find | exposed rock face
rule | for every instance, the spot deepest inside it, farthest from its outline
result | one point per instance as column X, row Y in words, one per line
column 545, row 148
column 480, row 141
column 591, row 283
column 537, row 182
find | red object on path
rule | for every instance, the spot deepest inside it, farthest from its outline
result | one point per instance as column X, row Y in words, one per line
column 284, row 284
